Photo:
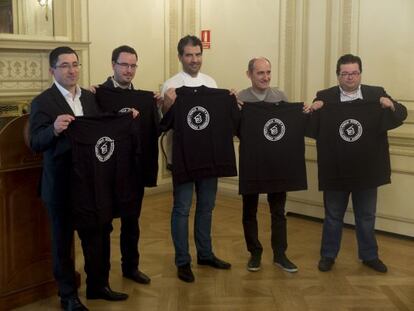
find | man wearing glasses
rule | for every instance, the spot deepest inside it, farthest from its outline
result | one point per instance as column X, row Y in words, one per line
column 51, row 114
column 116, row 94
column 353, row 158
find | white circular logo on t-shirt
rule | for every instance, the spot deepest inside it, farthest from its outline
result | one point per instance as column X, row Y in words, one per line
column 350, row 130
column 125, row 110
column 198, row 118
column 104, row 148
column 274, row 129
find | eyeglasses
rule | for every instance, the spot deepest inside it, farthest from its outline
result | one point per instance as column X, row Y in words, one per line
column 126, row 65
column 349, row 74
column 67, row 66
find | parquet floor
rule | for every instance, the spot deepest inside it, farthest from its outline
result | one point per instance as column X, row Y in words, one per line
column 349, row 286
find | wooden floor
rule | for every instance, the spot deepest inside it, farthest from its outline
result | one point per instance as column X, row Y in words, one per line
column 349, row 286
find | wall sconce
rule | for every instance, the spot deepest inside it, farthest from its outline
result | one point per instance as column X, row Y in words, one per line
column 42, row 3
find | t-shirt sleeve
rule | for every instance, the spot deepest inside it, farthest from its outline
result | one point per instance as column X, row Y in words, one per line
column 167, row 120
column 312, row 125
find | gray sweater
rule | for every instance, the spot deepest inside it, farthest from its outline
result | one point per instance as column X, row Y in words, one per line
column 272, row 95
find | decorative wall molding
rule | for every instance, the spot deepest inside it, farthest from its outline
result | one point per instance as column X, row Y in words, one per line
column 346, row 27
column 341, row 34
column 23, row 73
column 384, row 221
column 328, row 43
column 293, row 63
column 24, row 58
column 410, row 117
column 287, row 53
column 189, row 18
column 180, row 21
column 174, row 34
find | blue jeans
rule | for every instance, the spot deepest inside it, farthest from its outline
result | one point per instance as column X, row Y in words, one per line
column 364, row 204
column 206, row 190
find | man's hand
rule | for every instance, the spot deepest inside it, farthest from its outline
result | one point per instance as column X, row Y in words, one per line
column 159, row 99
column 387, row 103
column 135, row 112
column 169, row 99
column 239, row 102
column 93, row 88
column 62, row 122
column 233, row 92
column 316, row 105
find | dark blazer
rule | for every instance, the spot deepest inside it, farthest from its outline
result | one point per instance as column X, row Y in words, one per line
column 369, row 93
column 56, row 175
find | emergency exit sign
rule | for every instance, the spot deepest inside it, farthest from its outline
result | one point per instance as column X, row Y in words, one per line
column 206, row 38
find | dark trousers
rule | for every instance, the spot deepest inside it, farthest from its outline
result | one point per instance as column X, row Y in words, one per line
column 62, row 230
column 129, row 237
column 277, row 210
column 96, row 247
column 364, row 203
column 61, row 227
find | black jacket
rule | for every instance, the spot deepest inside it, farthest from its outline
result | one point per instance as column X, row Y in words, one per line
column 55, row 182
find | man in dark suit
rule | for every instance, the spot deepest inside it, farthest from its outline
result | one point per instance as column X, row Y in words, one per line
column 350, row 92
column 51, row 113
column 118, row 93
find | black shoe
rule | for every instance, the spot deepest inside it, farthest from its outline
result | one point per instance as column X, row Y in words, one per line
column 253, row 264
column 283, row 262
column 185, row 274
column 325, row 264
column 72, row 304
column 106, row 293
column 137, row 276
column 376, row 264
column 214, row 262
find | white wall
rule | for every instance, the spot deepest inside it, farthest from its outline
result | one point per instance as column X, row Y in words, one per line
column 139, row 24
column 386, row 44
column 240, row 31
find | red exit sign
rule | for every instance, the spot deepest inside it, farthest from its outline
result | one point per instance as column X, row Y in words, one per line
column 206, row 38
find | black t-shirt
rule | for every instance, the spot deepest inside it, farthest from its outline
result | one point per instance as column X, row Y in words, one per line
column 204, row 122
column 352, row 145
column 104, row 183
column 115, row 100
column 272, row 148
